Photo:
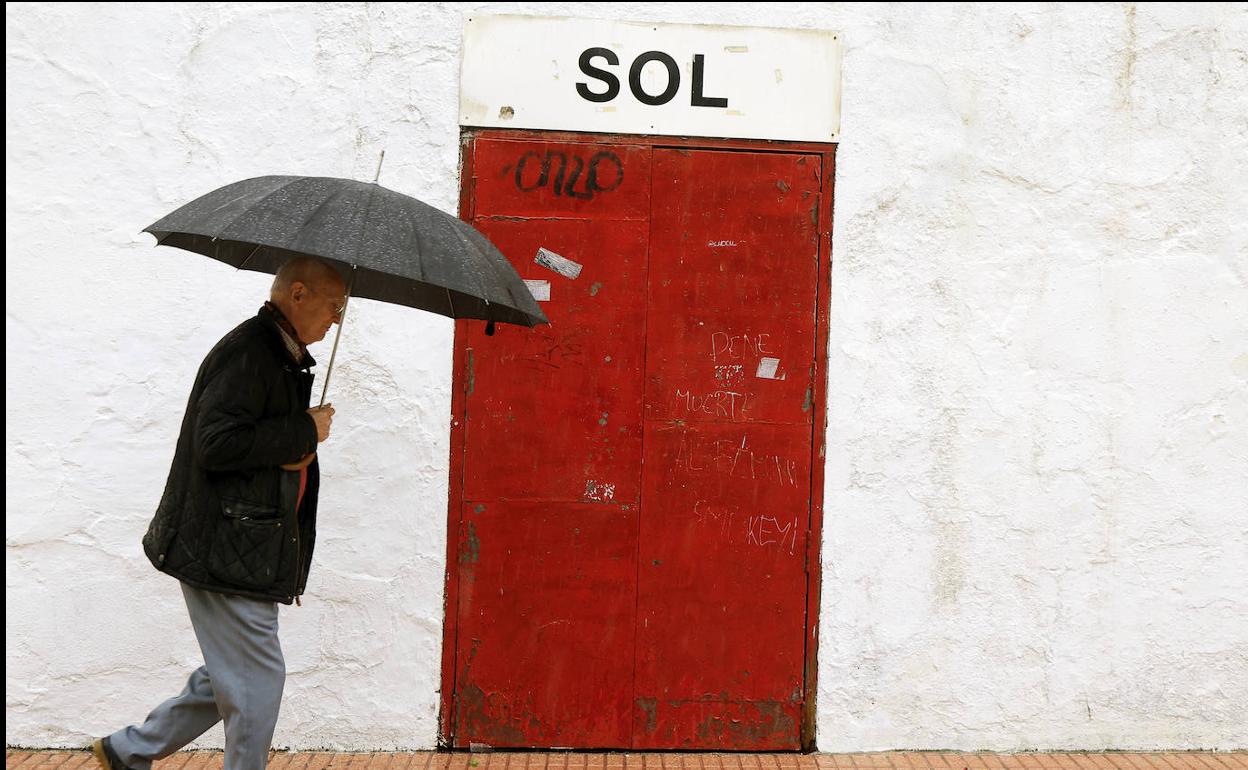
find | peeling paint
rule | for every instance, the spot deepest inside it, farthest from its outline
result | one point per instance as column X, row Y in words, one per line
column 651, row 708
column 767, row 722
column 471, row 551
column 488, row 719
column 598, row 492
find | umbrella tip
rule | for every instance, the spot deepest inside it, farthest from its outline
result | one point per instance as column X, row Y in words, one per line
column 489, row 328
column 379, row 162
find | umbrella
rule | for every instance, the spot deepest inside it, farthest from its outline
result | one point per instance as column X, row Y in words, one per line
column 393, row 247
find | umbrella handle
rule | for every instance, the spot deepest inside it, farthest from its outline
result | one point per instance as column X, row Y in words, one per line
column 341, row 320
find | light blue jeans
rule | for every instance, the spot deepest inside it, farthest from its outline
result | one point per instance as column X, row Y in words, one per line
column 241, row 682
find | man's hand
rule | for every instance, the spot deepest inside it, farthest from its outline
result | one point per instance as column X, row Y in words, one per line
column 324, row 417
column 305, row 462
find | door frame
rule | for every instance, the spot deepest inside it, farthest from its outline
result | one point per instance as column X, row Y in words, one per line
column 460, row 381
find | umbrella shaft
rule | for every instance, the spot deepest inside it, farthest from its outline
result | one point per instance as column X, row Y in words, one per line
column 341, row 320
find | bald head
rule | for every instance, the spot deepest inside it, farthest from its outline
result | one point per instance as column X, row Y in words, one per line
column 310, row 271
column 311, row 294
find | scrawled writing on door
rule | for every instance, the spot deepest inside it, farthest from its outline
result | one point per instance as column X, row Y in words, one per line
column 732, row 357
column 734, row 459
column 562, row 172
column 726, row 346
column 759, row 530
column 728, row 404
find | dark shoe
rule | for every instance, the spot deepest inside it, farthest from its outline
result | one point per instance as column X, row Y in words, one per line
column 104, row 754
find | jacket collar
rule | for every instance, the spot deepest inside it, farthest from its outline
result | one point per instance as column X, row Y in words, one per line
column 273, row 320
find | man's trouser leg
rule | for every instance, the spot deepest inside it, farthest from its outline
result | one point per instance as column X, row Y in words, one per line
column 241, row 682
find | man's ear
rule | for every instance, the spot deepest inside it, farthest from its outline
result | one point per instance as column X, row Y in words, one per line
column 298, row 291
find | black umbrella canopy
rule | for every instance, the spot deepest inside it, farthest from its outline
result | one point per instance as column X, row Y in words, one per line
column 402, row 251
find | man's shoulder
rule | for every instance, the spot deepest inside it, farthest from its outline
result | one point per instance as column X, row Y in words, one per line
column 255, row 336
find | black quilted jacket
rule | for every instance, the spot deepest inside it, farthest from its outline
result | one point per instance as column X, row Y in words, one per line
column 227, row 520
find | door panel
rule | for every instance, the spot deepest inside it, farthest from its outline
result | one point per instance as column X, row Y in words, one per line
column 554, row 413
column 546, row 618
column 726, row 483
column 552, row 455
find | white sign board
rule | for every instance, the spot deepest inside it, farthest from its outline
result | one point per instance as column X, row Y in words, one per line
column 636, row 78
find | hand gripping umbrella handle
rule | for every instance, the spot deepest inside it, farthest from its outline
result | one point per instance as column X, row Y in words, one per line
column 342, row 319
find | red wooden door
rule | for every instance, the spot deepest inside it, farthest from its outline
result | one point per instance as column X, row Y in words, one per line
column 631, row 485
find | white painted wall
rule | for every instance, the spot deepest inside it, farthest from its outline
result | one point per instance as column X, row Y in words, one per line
column 1037, row 505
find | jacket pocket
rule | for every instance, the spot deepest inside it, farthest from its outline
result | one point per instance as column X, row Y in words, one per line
column 246, row 544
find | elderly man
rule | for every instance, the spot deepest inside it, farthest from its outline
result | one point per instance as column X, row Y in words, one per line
column 237, row 521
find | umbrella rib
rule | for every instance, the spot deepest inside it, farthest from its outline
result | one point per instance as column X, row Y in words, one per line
column 246, row 211
column 420, row 257
column 476, row 274
column 359, row 238
column 249, row 256
column 500, row 270
column 419, row 229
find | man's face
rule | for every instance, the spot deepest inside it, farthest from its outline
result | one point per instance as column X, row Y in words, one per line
column 316, row 307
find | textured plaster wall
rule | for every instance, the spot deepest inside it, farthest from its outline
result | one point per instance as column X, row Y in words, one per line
column 1037, row 505
column 1037, row 512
